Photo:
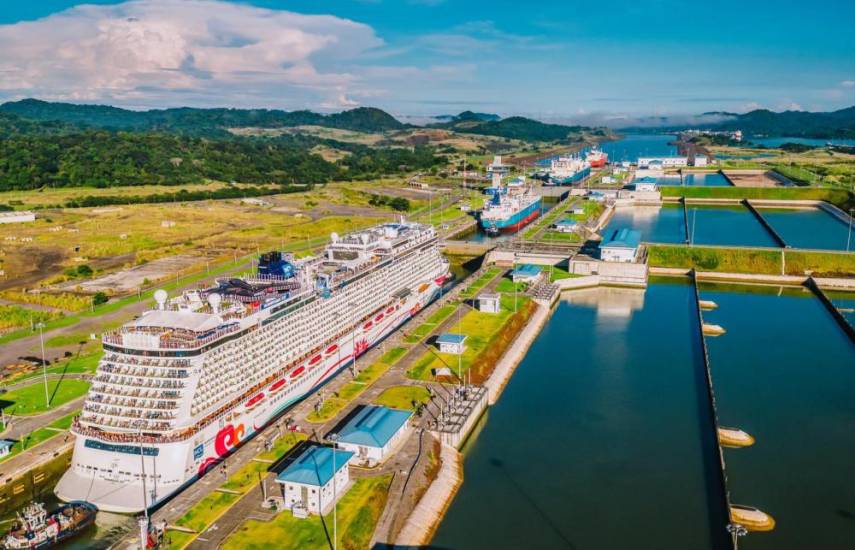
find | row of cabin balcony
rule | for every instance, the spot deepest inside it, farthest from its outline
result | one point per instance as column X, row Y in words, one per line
column 120, row 391
column 125, row 381
column 134, row 360
column 111, row 422
column 143, row 372
column 102, row 400
column 173, row 339
column 126, row 412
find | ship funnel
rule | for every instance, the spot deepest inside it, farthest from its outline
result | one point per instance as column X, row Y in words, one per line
column 160, row 297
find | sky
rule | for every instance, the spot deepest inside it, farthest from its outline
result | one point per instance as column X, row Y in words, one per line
column 554, row 60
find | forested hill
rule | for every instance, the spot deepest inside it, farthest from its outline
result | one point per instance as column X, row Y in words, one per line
column 515, row 127
column 185, row 120
column 795, row 123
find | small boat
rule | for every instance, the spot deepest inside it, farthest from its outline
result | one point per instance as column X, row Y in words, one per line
column 707, row 304
column 298, row 371
column 390, row 309
column 35, row 529
column 330, row 350
column 367, row 325
column 378, row 318
column 734, row 437
column 315, row 360
column 713, row 330
column 751, row 518
column 277, row 386
column 254, row 401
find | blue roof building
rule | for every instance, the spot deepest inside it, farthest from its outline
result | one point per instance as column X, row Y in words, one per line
column 312, row 482
column 567, row 225
column 525, row 273
column 6, row 446
column 621, row 245
column 373, row 432
column 451, row 343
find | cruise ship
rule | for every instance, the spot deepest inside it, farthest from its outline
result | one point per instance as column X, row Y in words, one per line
column 182, row 386
column 510, row 208
column 568, row 170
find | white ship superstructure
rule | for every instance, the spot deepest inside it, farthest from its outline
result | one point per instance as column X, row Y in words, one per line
column 183, row 385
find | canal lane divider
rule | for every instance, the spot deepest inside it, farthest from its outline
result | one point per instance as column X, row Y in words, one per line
column 771, row 230
column 686, row 220
column 829, row 305
column 725, row 503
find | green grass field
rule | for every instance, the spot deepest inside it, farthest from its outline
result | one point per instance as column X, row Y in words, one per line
column 434, row 320
column 84, row 363
column 483, row 280
column 403, row 397
column 357, row 512
column 840, row 197
column 482, row 330
column 30, row 400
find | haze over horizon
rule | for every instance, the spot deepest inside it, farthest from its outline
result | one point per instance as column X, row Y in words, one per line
column 563, row 61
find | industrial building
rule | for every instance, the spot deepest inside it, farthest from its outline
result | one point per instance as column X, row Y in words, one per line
column 621, row 246
column 315, row 480
column 373, row 433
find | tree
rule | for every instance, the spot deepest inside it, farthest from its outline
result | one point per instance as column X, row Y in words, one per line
column 84, row 270
column 99, row 298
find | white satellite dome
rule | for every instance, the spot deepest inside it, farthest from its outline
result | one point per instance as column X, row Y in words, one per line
column 160, row 297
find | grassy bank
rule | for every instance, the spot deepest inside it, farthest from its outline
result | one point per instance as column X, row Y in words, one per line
column 358, row 513
column 403, row 397
column 55, row 428
column 754, row 261
column 435, row 319
column 30, row 400
column 839, row 197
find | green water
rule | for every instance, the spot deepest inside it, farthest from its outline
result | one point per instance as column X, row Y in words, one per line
column 785, row 372
column 602, row 438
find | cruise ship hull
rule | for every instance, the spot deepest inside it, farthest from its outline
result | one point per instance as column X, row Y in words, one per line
column 177, row 464
column 514, row 222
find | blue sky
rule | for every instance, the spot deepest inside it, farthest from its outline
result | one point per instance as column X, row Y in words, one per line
column 558, row 60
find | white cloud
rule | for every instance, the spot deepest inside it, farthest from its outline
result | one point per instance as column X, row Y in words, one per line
column 147, row 52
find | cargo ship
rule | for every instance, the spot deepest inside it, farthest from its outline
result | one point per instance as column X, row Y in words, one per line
column 35, row 529
column 510, row 208
column 596, row 158
column 568, row 170
column 185, row 384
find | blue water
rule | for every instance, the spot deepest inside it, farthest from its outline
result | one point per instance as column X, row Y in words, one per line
column 633, row 146
column 657, row 224
column 714, row 179
column 726, row 226
column 600, row 439
column 845, row 303
column 808, row 228
column 778, row 141
column 785, row 373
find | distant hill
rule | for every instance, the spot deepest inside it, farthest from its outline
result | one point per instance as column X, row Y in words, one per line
column 468, row 116
column 193, row 121
column 794, row 123
column 515, row 127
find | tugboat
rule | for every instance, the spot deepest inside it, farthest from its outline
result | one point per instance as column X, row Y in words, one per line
column 35, row 530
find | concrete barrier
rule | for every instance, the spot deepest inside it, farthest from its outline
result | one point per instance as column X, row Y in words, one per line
column 841, row 320
column 778, row 238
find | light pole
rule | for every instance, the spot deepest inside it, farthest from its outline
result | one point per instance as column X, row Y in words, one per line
column 736, row 530
column 44, row 364
column 354, row 322
column 333, row 438
column 144, row 520
column 849, row 236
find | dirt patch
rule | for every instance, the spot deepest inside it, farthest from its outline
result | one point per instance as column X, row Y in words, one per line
column 128, row 280
column 754, row 178
column 26, row 266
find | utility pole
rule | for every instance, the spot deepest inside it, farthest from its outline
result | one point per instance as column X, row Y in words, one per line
column 334, row 438
column 44, row 364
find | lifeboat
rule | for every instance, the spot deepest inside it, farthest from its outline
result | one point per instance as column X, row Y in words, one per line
column 751, row 518
column 367, row 325
column 331, row 349
column 277, row 386
column 734, row 437
column 298, row 371
column 390, row 310
column 713, row 330
column 379, row 318
column 252, row 403
column 423, row 287
column 315, row 360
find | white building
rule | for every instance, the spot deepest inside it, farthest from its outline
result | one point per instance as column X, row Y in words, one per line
column 665, row 162
column 451, row 343
column 526, row 273
column 700, row 160
column 646, row 184
column 621, row 246
column 489, row 303
column 17, row 217
column 308, row 483
column 373, row 433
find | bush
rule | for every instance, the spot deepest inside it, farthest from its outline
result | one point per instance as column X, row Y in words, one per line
column 84, row 270
column 99, row 298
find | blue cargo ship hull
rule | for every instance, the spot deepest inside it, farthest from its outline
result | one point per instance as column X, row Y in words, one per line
column 514, row 222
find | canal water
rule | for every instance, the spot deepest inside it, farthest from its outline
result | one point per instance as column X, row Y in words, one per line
column 808, row 227
column 785, row 373
column 602, row 438
column 778, row 141
column 708, row 225
column 845, row 303
column 632, row 146
column 712, row 179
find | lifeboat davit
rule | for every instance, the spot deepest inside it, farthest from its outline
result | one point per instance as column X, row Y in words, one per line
column 254, row 401
column 331, row 349
column 277, row 386
column 297, row 372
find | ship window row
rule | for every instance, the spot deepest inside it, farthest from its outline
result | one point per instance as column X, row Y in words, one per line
column 138, row 382
column 141, row 393
column 98, row 402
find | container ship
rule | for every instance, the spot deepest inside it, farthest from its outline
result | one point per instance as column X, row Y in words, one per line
column 596, row 158
column 568, row 170
column 35, row 529
column 510, row 208
column 182, row 386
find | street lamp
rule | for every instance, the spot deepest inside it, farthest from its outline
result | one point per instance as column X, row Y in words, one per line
column 41, row 327
column 736, row 530
column 145, row 519
column 849, row 236
column 333, row 438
